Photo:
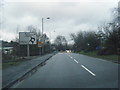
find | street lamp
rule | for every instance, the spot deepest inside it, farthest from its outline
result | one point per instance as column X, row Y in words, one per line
column 42, row 48
column 43, row 24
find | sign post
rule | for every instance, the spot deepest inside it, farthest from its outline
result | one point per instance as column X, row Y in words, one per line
column 28, row 50
column 40, row 46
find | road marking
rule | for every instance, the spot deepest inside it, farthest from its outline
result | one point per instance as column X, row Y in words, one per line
column 71, row 57
column 76, row 61
column 88, row 70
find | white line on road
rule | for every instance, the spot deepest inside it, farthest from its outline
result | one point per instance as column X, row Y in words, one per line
column 88, row 70
column 73, row 59
column 76, row 61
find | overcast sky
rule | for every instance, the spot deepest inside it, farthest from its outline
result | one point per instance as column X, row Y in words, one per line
column 66, row 16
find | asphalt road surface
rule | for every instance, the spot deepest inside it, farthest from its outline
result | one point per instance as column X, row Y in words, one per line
column 70, row 70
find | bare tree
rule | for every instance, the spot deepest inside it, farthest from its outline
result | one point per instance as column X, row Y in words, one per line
column 32, row 28
column 111, row 33
column 60, row 42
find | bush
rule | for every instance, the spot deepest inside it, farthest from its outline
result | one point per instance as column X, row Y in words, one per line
column 6, row 57
column 105, row 51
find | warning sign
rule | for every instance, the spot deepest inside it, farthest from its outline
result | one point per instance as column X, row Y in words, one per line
column 40, row 44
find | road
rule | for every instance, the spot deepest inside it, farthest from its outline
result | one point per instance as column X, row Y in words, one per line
column 70, row 70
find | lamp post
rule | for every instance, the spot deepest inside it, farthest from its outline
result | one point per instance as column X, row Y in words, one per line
column 42, row 48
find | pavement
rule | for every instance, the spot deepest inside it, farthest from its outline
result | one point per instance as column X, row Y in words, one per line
column 11, row 74
column 0, row 79
column 70, row 70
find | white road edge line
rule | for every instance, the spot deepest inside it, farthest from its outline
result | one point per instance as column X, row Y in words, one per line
column 88, row 70
column 76, row 61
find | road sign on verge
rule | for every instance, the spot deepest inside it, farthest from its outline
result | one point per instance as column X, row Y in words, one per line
column 40, row 44
column 27, row 38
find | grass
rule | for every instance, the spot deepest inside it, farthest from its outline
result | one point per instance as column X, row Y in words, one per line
column 16, row 61
column 9, row 64
column 94, row 54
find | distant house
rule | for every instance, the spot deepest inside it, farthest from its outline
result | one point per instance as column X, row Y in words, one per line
column 0, row 49
column 7, row 50
column 0, row 44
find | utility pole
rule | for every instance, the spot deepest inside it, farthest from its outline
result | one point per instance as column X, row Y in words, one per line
column 42, row 48
column 42, row 26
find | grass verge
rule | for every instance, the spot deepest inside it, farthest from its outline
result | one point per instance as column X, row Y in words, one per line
column 107, row 57
column 9, row 64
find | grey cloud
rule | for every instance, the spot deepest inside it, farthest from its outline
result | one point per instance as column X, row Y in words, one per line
column 65, row 17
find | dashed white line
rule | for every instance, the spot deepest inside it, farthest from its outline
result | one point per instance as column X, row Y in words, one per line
column 76, row 61
column 71, row 57
column 88, row 70
column 83, row 66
